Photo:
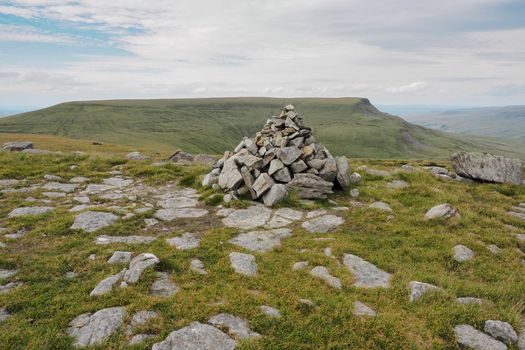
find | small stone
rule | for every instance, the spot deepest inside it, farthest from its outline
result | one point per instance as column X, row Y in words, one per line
column 150, row 222
column 494, row 249
column 366, row 275
column 300, row 265
column 263, row 184
column 418, row 289
column 323, row 273
column 106, row 285
column 275, row 165
column 298, row 166
column 355, row 178
column 381, row 206
column 462, row 253
column 82, row 199
column 288, row 155
column 354, row 193
column 187, row 241
column 243, row 264
column 71, row 274
column 283, row 175
column 236, row 326
column 307, row 302
column 328, row 252
column 501, row 330
column 442, row 211
column 361, row 309
column 470, row 337
column 198, row 266
column 270, row 311
column 163, row 286
column 136, row 156
column 196, row 336
column 322, row 224
column 137, row 266
column 50, row 177
column 120, row 257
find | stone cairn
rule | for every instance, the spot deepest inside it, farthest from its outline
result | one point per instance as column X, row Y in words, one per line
column 283, row 156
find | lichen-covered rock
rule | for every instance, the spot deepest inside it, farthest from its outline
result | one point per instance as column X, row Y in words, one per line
column 91, row 221
column 93, row 329
column 488, row 167
column 501, row 330
column 462, row 253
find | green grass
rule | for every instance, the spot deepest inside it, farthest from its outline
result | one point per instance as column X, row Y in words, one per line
column 349, row 126
column 406, row 245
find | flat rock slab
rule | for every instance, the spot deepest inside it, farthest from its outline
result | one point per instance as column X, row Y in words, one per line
column 124, row 239
column 397, row 184
column 322, row 224
column 261, row 241
column 470, row 337
column 137, row 266
column 196, row 336
column 163, row 286
column 91, row 221
column 284, row 217
column 57, row 186
column 178, row 202
column 180, row 213
column 249, row 218
column 92, row 329
column 187, row 241
column 29, row 211
column 366, row 275
column 418, row 289
column 237, row 327
column 361, row 309
column 323, row 273
column 243, row 264
column 117, row 182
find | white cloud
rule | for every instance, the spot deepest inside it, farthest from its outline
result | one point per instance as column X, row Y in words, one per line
column 392, row 52
column 412, row 87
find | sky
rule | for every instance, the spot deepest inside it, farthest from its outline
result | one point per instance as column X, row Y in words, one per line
column 448, row 52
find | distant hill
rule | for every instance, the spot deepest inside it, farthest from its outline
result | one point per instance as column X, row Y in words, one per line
column 350, row 126
column 505, row 122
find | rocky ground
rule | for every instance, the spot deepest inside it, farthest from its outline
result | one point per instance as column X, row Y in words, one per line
column 115, row 253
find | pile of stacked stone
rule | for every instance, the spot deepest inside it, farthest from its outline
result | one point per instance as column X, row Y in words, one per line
column 284, row 155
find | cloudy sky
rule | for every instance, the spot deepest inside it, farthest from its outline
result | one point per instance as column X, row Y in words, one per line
column 448, row 52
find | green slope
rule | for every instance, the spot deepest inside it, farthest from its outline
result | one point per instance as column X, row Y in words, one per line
column 350, row 126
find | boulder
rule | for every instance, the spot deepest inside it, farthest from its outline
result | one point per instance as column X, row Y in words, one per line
column 501, row 330
column 441, row 211
column 343, row 173
column 277, row 193
column 17, row 146
column 488, row 167
column 181, row 157
column 263, row 184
